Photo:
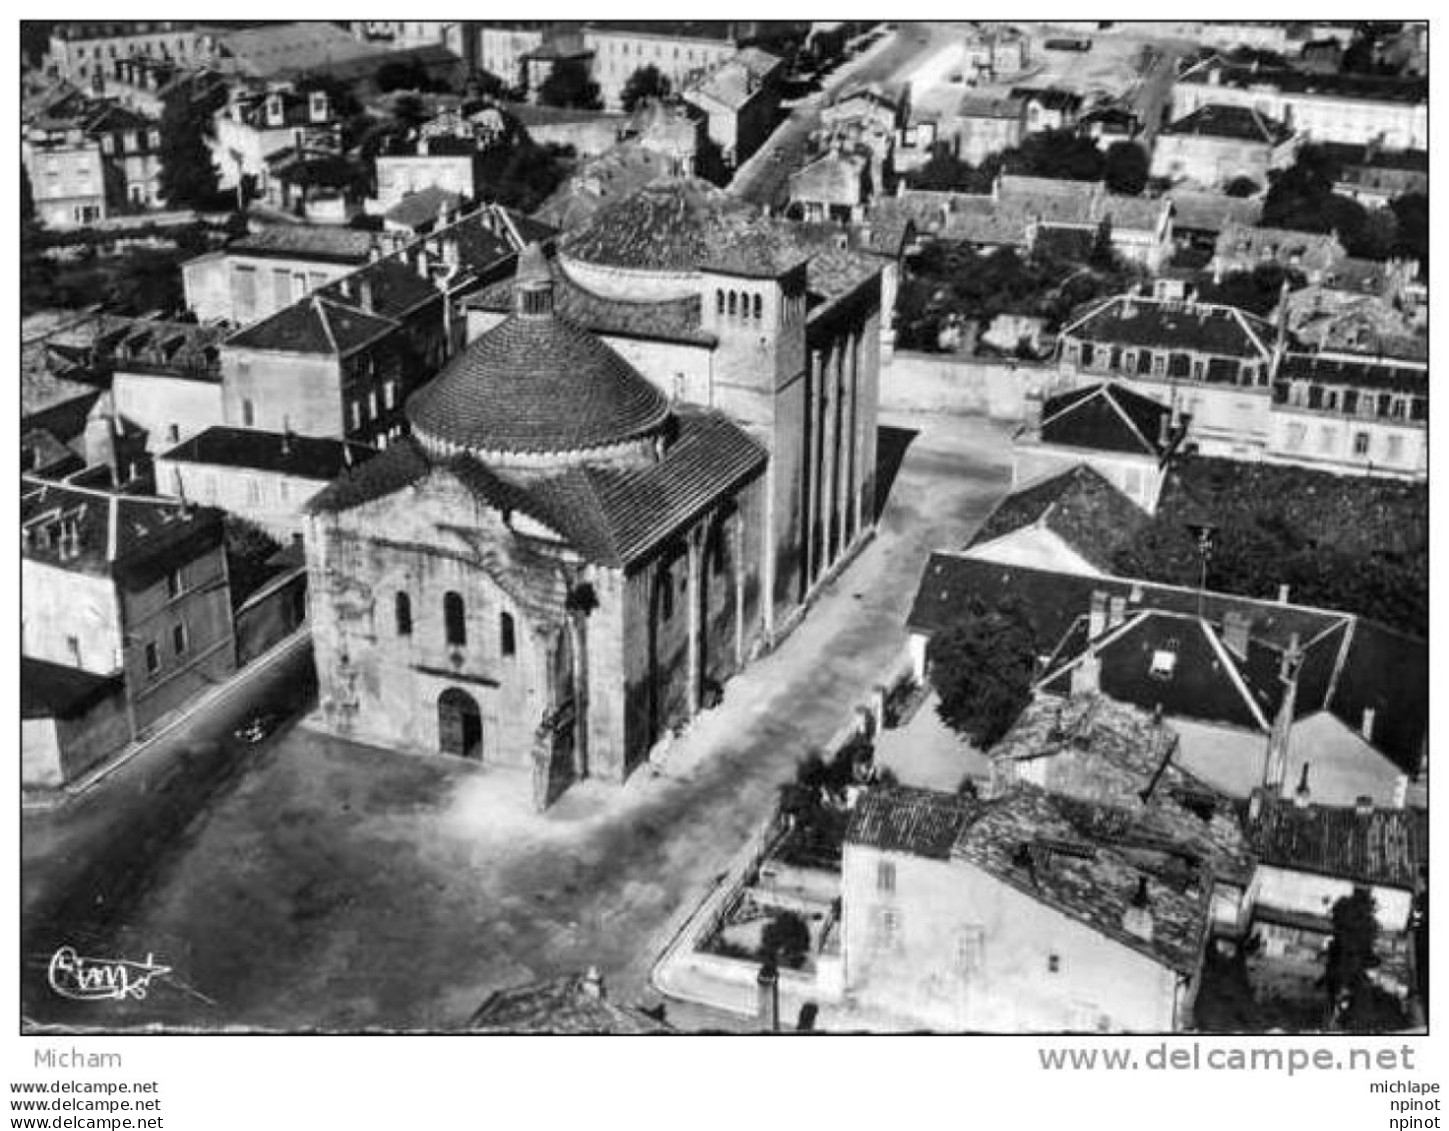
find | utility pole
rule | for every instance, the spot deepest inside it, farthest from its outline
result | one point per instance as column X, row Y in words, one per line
column 1205, row 535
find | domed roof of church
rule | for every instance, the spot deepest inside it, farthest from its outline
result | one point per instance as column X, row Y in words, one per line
column 681, row 224
column 536, row 384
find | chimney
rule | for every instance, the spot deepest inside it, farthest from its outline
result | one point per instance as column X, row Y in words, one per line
column 593, row 984
column 767, row 998
column 1363, row 805
column 1367, row 728
column 274, row 111
column 1283, row 591
column 1255, row 805
column 1303, row 795
column 1401, row 791
column 1116, row 611
column 1097, row 619
column 1137, row 918
column 364, row 291
column 1087, row 675
column 286, row 437
column 1164, row 429
column 1031, row 415
column 1237, row 627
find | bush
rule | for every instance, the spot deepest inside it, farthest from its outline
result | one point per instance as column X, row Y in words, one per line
column 785, row 940
column 982, row 667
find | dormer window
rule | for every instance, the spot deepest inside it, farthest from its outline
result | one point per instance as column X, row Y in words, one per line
column 1164, row 661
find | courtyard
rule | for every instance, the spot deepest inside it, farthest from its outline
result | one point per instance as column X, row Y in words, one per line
column 338, row 887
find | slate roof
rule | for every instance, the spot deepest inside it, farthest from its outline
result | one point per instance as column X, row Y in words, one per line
column 1349, row 663
column 1081, row 507
column 1131, row 320
column 54, row 691
column 1121, row 757
column 616, row 516
column 1385, row 847
column 1360, row 373
column 562, row 1006
column 131, row 537
column 537, row 384
column 921, row 822
column 314, row 325
column 418, row 209
column 1230, row 123
column 1108, row 418
column 305, row 457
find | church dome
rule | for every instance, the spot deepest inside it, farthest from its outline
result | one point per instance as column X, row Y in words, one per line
column 536, row 385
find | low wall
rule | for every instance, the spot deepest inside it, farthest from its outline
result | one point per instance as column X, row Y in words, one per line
column 968, row 386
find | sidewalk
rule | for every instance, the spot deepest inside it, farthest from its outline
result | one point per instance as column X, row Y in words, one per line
column 168, row 724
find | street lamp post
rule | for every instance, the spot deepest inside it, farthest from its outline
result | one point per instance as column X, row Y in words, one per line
column 1205, row 535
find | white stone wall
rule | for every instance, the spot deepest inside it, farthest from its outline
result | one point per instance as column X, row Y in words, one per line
column 69, row 618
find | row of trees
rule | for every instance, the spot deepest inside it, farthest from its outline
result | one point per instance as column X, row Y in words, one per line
column 1059, row 154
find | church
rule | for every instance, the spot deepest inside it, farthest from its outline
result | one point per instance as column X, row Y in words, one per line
column 654, row 448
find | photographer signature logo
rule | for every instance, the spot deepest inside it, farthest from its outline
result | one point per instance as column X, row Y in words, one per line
column 80, row 978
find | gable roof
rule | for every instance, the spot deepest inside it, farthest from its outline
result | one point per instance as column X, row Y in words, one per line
column 1109, row 418
column 1078, row 505
column 1348, row 664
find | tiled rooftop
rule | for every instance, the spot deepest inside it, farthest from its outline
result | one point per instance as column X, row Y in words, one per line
column 614, row 516
column 307, row 241
column 562, row 1006
column 1382, row 846
column 922, row 822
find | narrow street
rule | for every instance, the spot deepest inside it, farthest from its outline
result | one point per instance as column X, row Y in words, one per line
column 337, row 886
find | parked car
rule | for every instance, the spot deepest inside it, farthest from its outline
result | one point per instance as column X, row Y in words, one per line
column 257, row 727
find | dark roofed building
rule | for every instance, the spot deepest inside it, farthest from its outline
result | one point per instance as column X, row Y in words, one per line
column 117, row 588
column 1221, row 665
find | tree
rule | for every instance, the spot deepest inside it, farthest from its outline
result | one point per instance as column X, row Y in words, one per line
column 1103, row 255
column 647, row 84
column 981, row 666
column 569, row 85
column 1411, row 212
column 1060, row 154
column 188, row 176
column 523, row 175
column 1351, row 950
column 785, row 940
column 1256, row 291
column 1124, row 168
column 948, row 173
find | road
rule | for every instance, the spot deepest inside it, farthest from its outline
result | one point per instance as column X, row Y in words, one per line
column 340, row 887
column 765, row 178
column 87, row 863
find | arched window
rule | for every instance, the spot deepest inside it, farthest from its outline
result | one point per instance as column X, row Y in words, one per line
column 759, row 306
column 403, row 614
column 733, row 298
column 718, row 301
column 454, row 625
column 506, row 642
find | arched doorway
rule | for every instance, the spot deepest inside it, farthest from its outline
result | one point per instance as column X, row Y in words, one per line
column 460, row 725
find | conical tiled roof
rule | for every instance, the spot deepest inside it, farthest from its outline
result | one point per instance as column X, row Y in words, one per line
column 536, row 384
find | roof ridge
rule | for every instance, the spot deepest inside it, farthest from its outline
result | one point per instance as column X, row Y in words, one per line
column 1132, row 424
column 319, row 308
column 1238, row 681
